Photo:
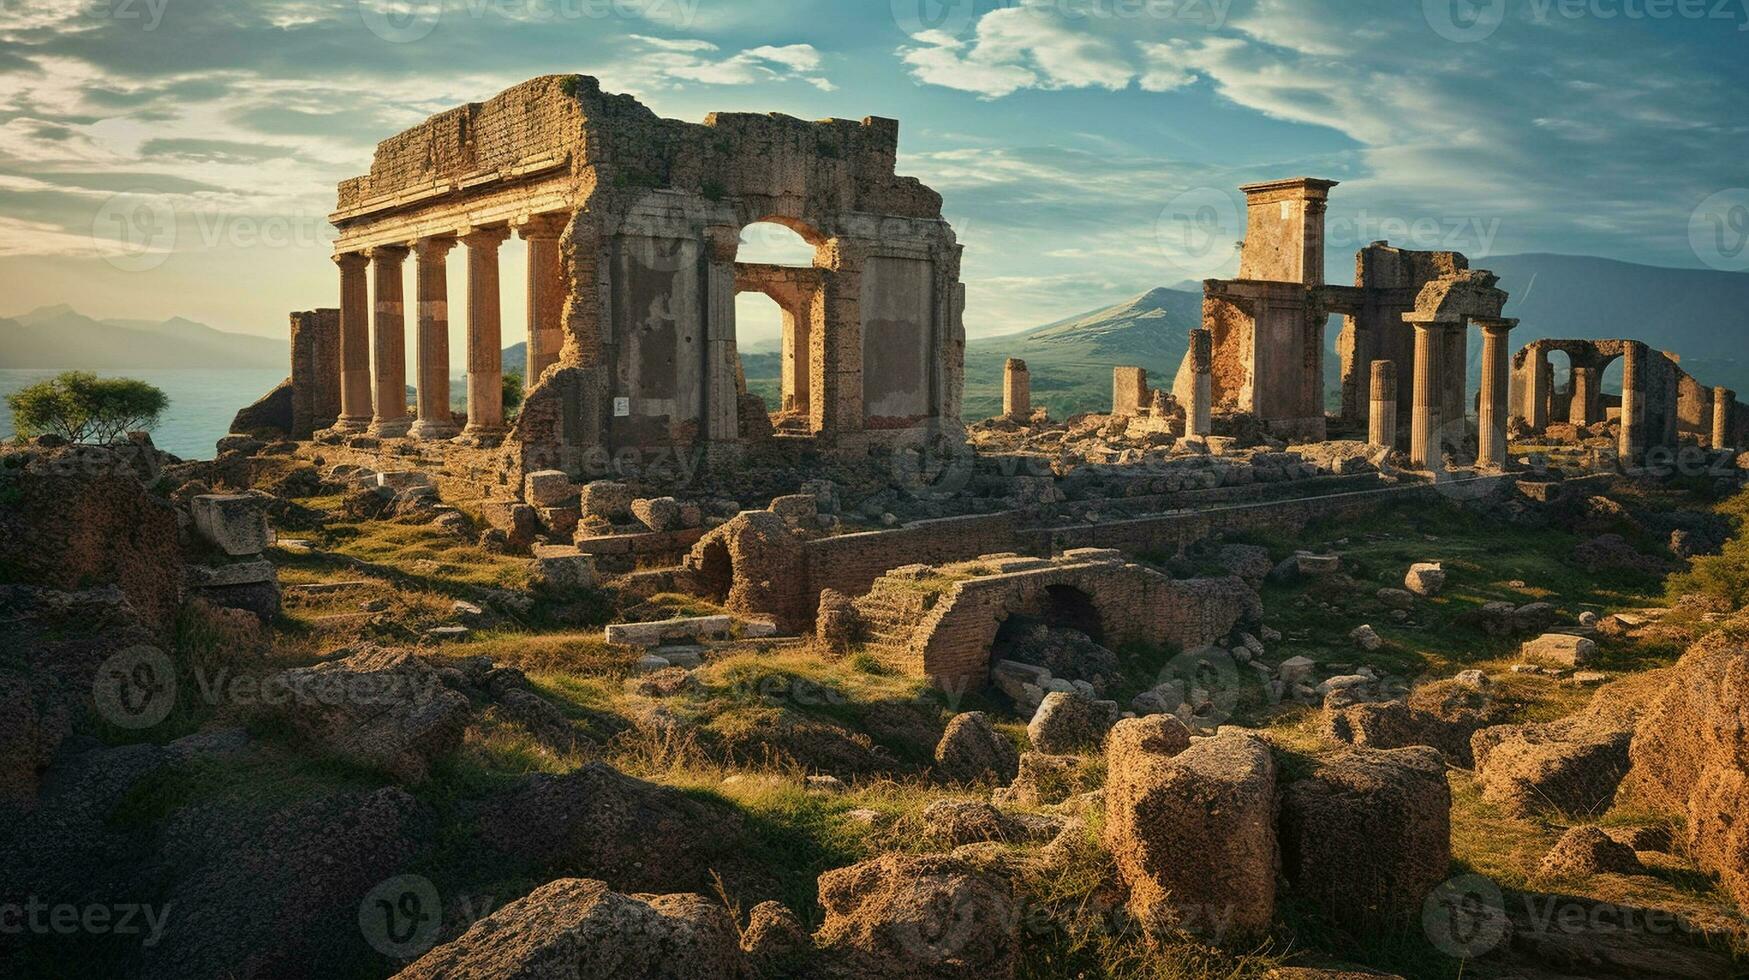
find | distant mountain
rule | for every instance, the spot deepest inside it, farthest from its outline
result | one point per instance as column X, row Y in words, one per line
column 56, row 337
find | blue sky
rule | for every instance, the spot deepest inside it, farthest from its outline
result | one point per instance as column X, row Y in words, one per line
column 1086, row 149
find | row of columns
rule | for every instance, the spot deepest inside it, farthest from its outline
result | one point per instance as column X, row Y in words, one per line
column 376, row 400
column 1434, row 412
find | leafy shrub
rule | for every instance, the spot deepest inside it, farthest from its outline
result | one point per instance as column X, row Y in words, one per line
column 81, row 407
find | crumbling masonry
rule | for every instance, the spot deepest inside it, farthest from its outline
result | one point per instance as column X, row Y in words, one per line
column 632, row 224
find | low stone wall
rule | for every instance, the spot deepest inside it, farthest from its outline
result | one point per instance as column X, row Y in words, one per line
column 1171, row 533
column 851, row 562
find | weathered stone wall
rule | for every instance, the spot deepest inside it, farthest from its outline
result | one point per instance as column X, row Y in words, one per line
column 315, row 367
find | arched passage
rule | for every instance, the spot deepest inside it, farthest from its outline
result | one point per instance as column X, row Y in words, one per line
column 714, row 572
column 777, row 287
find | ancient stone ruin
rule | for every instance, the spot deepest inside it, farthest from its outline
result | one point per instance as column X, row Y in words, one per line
column 632, row 224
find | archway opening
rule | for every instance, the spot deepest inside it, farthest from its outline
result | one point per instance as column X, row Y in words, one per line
column 1609, row 387
column 1560, row 390
column 714, row 575
column 1059, row 629
column 776, row 287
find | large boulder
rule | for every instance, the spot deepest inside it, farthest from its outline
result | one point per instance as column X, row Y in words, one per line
column 1043, row 779
column 83, row 516
column 1425, row 578
column 378, row 707
column 953, row 823
column 53, row 646
column 903, row 916
column 1690, row 756
column 1444, row 715
column 599, row 822
column 1368, row 834
column 1571, row 766
column 1194, row 837
column 1585, row 851
column 972, row 751
column 578, row 927
column 312, row 863
column 1069, row 721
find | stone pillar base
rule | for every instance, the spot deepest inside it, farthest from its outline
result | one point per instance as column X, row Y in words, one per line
column 390, row 428
column 433, row 429
column 482, row 436
column 350, row 424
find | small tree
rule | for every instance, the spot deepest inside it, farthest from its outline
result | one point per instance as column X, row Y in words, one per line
column 81, row 407
column 512, row 393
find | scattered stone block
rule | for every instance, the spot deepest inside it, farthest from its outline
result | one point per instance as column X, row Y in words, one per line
column 658, row 513
column 1368, row 834
column 972, row 751
column 1585, row 851
column 234, row 523
column 548, row 488
column 1068, row 721
column 1560, row 650
column 1425, row 578
column 234, row 573
column 668, row 630
column 1194, row 837
column 606, row 499
column 562, row 566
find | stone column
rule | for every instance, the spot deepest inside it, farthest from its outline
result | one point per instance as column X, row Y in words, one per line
column 389, row 343
column 354, row 343
column 432, row 384
column 1536, row 390
column 1632, row 440
column 1724, row 400
column 1202, row 391
column 1016, row 390
column 1382, row 410
column 1584, row 385
column 721, row 405
column 546, row 293
column 1491, row 437
column 1424, row 448
column 485, row 338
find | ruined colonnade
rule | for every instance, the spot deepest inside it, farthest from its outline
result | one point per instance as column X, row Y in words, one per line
column 373, row 396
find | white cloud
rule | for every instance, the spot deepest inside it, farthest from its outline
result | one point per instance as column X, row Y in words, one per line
column 1020, row 47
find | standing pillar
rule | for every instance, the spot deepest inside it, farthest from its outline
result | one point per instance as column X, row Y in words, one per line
column 1382, row 410
column 485, row 338
column 1202, row 390
column 389, row 344
column 1536, row 390
column 546, row 294
column 1424, row 449
column 434, row 421
column 1632, row 441
column 1491, row 435
column 1724, row 399
column 354, row 343
column 1584, row 387
column 1016, row 390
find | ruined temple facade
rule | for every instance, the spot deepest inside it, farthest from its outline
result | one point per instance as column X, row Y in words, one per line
column 1407, row 309
column 1661, row 405
column 632, row 224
